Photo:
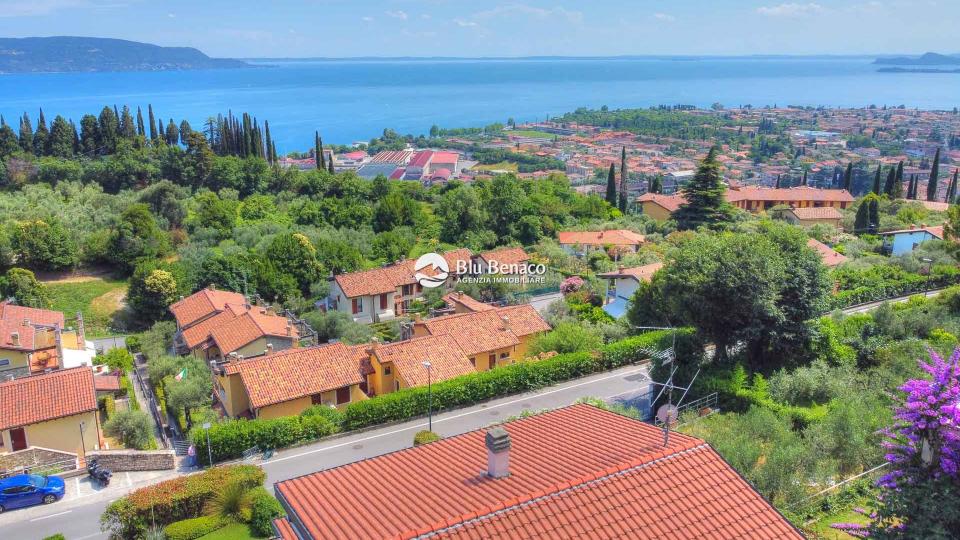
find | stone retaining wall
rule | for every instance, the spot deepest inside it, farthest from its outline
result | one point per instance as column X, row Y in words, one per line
column 135, row 460
column 37, row 458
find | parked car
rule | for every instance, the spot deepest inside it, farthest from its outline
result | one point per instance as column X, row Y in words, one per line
column 29, row 489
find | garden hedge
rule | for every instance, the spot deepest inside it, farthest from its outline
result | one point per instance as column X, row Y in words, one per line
column 173, row 500
column 193, row 528
column 231, row 438
column 264, row 508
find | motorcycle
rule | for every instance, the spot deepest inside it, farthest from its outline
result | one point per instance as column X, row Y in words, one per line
column 99, row 474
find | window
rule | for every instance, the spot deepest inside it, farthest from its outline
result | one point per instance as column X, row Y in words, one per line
column 357, row 306
column 315, row 399
column 383, row 301
column 407, row 290
column 396, row 385
column 504, row 355
column 473, row 361
column 387, row 370
column 343, row 395
column 4, row 362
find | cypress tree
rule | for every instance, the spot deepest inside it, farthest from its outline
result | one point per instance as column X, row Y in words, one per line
column 61, row 138
column 153, row 122
column 623, row 180
column 185, row 131
column 140, row 129
column 317, row 155
column 107, row 129
column 26, row 133
column 41, row 137
column 612, row 186
column 874, row 215
column 888, row 186
column 161, row 132
column 173, row 134
column 9, row 144
column 323, row 158
column 898, row 183
column 934, row 177
column 269, row 141
column 861, row 221
column 777, row 185
column 804, row 181
column 848, row 177
column 116, row 115
column 952, row 190
column 656, row 185
column 330, row 167
column 876, row 182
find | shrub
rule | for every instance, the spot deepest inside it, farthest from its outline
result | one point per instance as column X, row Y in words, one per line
column 334, row 415
column 231, row 501
column 425, row 437
column 132, row 428
column 566, row 338
column 116, row 359
column 108, row 406
column 231, row 438
column 173, row 500
column 58, row 536
column 190, row 529
column 264, row 508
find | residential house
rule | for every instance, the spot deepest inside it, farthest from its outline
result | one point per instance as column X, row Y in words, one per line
column 461, row 302
column 211, row 324
column 810, row 216
column 617, row 241
column 36, row 340
column 384, row 293
column 830, row 257
column 754, row 199
column 395, row 366
column 55, row 410
column 488, row 337
column 623, row 283
column 658, row 206
column 509, row 260
column 906, row 240
column 288, row 382
column 574, row 472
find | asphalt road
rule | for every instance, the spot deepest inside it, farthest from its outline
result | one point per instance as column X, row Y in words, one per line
column 78, row 519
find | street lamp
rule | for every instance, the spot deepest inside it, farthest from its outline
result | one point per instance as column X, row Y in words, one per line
column 428, row 365
column 206, row 427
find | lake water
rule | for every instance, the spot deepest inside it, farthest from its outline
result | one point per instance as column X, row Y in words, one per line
column 350, row 101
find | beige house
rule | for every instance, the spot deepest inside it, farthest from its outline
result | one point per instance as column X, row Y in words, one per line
column 56, row 410
column 36, row 340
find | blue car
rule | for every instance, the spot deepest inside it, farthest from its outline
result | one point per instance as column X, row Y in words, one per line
column 29, row 489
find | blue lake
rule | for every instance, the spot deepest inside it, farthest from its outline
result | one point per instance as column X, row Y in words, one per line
column 350, row 101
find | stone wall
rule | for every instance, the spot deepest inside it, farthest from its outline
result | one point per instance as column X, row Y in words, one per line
column 135, row 460
column 38, row 459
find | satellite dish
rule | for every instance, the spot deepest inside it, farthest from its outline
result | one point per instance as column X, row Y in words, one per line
column 667, row 414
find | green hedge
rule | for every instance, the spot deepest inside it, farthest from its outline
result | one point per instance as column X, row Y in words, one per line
column 193, row 528
column 425, row 437
column 264, row 508
column 231, row 438
column 884, row 282
column 173, row 500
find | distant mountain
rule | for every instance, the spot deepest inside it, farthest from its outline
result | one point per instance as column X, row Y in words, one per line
column 64, row 53
column 928, row 59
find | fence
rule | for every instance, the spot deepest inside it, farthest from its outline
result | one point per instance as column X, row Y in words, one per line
column 154, row 407
column 41, row 467
column 704, row 406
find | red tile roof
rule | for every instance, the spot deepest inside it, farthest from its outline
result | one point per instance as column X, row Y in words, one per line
column 475, row 332
column 40, row 398
column 794, row 194
column 504, row 256
column 671, row 203
column 524, row 319
column 388, row 278
column 421, row 159
column 830, row 257
column 576, row 472
column 248, row 328
column 447, row 359
column 109, row 382
column 823, row 212
column 467, row 301
column 22, row 320
column 297, row 373
column 639, row 273
column 203, row 304
column 445, row 157
column 618, row 237
column 197, row 334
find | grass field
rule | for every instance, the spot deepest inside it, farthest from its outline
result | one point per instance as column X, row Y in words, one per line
column 234, row 531
column 532, row 133
column 98, row 298
column 502, row 166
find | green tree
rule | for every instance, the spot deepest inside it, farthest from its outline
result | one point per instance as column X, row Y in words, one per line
column 624, row 179
column 41, row 137
column 888, row 186
column 132, row 428
column 137, row 237
column 172, row 133
column 848, row 177
column 199, row 158
column 89, row 136
column 460, row 212
column 612, row 186
column 44, row 245
column 952, row 188
column 934, row 183
column 108, row 128
column 21, row 284
column 213, row 212
column 897, row 192
column 395, row 210
column 9, row 144
column 656, row 185
column 293, row 254
column 706, row 204
column 153, row 287
column 26, row 134
column 505, row 204
column 876, row 182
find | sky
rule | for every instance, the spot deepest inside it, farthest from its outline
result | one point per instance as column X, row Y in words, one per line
column 349, row 28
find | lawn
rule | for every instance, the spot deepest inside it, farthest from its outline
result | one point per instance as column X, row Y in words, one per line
column 824, row 531
column 532, row 133
column 234, row 531
column 502, row 166
column 98, row 298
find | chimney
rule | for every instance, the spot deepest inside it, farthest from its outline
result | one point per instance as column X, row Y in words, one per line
column 912, row 226
column 373, row 345
column 269, row 348
column 621, row 268
column 15, row 338
column 181, row 297
column 212, row 287
column 601, row 234
column 26, row 322
column 506, row 322
column 417, row 318
column 498, row 453
column 289, row 329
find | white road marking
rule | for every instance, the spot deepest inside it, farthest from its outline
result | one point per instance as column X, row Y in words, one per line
column 454, row 417
column 129, row 481
column 51, row 515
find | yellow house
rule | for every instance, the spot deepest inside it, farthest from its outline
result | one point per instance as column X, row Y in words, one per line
column 56, row 410
column 490, row 336
column 400, row 365
column 659, row 206
column 35, row 340
column 288, row 382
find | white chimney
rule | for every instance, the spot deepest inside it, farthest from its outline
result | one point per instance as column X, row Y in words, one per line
column 269, row 348
column 498, row 453
column 15, row 338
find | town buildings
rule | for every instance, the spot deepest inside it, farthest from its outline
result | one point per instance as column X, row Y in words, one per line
column 757, row 199
column 575, row 472
column 810, row 216
column 36, row 340
column 618, row 241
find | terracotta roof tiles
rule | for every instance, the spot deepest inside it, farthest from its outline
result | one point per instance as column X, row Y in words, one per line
column 39, row 398
column 249, row 327
column 203, row 304
column 823, row 212
column 388, row 278
column 617, row 237
column 447, row 359
column 639, row 273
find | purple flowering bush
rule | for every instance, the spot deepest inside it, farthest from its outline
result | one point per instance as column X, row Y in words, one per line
column 920, row 494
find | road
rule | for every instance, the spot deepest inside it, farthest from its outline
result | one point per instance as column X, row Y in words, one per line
column 80, row 521
column 870, row 306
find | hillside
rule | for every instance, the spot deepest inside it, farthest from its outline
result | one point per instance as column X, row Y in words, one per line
column 58, row 54
column 928, row 59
